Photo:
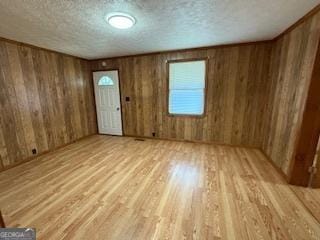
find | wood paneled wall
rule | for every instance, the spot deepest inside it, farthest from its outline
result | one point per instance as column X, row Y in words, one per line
column 291, row 68
column 237, row 78
column 46, row 101
column 255, row 96
column 256, row 93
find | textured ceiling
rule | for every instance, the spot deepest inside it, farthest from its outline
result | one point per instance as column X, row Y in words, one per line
column 77, row 27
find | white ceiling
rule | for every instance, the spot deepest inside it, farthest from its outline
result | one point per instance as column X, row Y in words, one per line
column 77, row 27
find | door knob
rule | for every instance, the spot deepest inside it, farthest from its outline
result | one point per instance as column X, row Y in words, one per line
column 118, row 108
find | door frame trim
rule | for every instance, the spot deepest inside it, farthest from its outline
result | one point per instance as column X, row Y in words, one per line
column 94, row 95
column 309, row 131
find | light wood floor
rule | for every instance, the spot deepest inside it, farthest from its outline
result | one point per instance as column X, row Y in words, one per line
column 117, row 188
column 310, row 198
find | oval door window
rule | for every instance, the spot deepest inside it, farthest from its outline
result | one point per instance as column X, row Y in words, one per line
column 105, row 81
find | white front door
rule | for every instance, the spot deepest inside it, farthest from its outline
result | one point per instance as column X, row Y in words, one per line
column 107, row 94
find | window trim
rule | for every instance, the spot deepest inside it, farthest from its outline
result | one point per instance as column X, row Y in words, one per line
column 206, row 60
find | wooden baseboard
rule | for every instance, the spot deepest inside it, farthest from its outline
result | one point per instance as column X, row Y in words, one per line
column 279, row 170
column 158, row 138
column 221, row 144
column 42, row 153
column 193, row 141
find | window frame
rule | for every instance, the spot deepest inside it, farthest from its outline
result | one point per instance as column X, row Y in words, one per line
column 206, row 61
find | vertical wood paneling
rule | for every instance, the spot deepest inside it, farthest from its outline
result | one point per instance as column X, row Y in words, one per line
column 236, row 79
column 46, row 101
column 255, row 96
column 292, row 63
column 256, row 93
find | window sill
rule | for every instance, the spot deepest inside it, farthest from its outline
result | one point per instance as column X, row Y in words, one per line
column 186, row 115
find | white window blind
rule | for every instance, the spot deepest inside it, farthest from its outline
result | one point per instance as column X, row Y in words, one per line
column 187, row 87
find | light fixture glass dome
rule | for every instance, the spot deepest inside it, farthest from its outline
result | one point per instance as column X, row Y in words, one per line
column 120, row 20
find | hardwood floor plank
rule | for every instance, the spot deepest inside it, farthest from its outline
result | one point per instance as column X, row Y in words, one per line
column 105, row 187
column 310, row 198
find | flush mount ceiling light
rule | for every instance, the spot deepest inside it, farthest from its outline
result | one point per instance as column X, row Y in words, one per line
column 120, row 20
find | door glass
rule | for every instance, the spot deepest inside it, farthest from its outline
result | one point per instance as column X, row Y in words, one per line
column 105, row 81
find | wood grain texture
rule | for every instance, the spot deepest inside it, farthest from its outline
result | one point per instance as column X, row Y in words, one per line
column 236, row 78
column 309, row 132
column 310, row 198
column 256, row 93
column 292, row 62
column 117, row 188
column 46, row 101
